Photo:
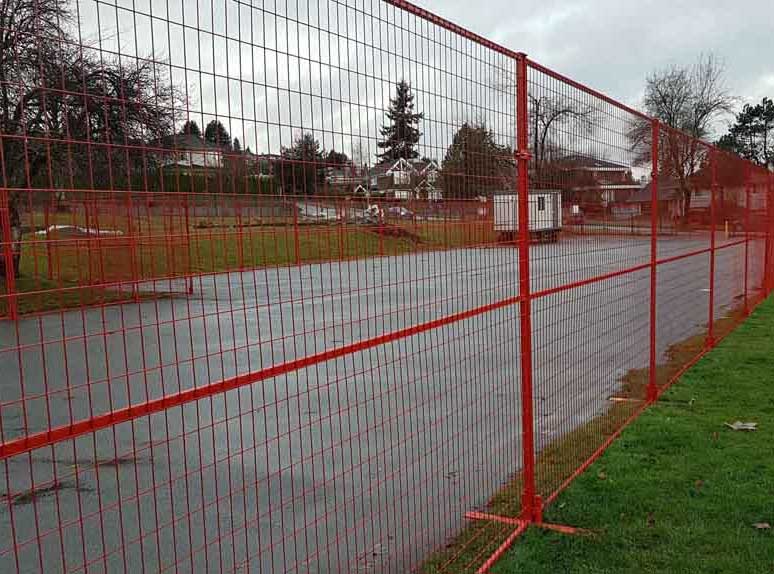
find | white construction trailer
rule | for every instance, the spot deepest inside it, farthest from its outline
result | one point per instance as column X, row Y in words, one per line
column 545, row 215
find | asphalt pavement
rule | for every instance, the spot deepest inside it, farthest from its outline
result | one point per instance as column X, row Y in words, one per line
column 364, row 462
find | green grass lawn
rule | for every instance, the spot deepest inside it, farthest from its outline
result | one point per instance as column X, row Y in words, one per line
column 62, row 271
column 41, row 295
column 679, row 491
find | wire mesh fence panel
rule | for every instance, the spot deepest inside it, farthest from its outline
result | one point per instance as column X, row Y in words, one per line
column 330, row 286
column 312, row 326
column 591, row 313
column 758, row 216
column 732, row 273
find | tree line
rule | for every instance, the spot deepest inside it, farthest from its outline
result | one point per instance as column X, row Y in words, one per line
column 690, row 101
column 72, row 118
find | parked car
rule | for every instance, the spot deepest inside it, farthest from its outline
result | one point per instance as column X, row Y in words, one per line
column 400, row 212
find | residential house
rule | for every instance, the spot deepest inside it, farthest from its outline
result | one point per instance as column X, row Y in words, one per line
column 262, row 166
column 671, row 201
column 603, row 182
column 188, row 152
column 404, row 179
column 345, row 178
column 670, row 204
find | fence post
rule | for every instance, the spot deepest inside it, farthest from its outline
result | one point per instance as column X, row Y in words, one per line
column 190, row 270
column 747, row 192
column 342, row 222
column 713, row 224
column 49, row 253
column 8, row 266
column 769, row 230
column 655, row 135
column 381, row 226
column 133, row 250
column 240, row 233
column 530, row 503
column 296, row 239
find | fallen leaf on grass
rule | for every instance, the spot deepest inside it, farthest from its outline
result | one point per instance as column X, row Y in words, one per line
column 602, row 475
column 651, row 520
column 740, row 426
column 762, row 526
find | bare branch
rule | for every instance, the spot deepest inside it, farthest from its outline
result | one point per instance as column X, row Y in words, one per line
column 689, row 100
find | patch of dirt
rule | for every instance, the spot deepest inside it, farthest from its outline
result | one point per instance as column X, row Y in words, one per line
column 395, row 231
column 117, row 462
column 30, row 496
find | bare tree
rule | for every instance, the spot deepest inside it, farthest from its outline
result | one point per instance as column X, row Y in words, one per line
column 556, row 122
column 688, row 99
column 559, row 126
column 68, row 117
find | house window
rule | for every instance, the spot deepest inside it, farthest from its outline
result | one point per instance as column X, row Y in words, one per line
column 402, row 178
column 541, row 203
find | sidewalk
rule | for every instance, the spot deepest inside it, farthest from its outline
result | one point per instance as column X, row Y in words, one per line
column 679, row 491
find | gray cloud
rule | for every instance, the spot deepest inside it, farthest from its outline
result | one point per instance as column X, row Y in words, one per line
column 611, row 45
column 271, row 68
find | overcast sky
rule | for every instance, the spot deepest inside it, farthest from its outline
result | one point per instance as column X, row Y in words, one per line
column 270, row 69
column 611, row 45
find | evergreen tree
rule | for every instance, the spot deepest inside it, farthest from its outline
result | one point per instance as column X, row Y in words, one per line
column 300, row 167
column 191, row 128
column 337, row 158
column 752, row 136
column 216, row 134
column 237, row 146
column 401, row 137
column 475, row 164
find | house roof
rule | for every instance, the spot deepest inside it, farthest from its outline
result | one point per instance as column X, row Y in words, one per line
column 611, row 187
column 403, row 165
column 424, row 166
column 668, row 189
column 578, row 161
column 262, row 156
column 425, row 185
column 188, row 142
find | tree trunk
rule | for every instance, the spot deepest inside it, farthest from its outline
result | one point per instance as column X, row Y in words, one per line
column 14, row 218
column 686, row 204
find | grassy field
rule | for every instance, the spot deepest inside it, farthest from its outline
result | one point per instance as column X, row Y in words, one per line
column 679, row 491
column 60, row 271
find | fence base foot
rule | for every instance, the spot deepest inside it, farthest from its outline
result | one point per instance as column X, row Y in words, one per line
column 532, row 508
column 617, row 399
column 564, row 529
column 521, row 526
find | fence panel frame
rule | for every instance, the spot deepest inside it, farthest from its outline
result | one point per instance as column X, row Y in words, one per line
column 529, row 498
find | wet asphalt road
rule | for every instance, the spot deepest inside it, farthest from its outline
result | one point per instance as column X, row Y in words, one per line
column 362, row 463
